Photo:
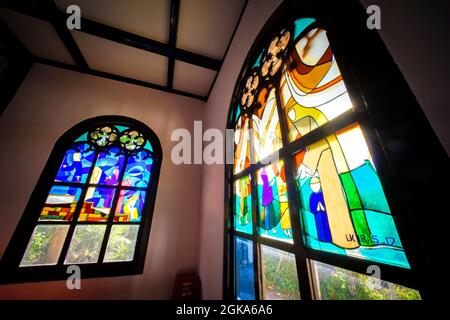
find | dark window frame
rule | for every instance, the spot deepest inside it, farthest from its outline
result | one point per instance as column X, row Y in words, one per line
column 10, row 270
column 345, row 23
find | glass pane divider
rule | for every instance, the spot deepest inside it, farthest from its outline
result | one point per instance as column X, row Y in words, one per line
column 293, row 203
column 113, row 210
column 255, row 215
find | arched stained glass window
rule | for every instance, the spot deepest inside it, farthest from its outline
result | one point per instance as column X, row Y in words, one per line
column 93, row 204
column 307, row 209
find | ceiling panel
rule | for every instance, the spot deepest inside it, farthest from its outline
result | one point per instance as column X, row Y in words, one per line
column 38, row 36
column 206, row 26
column 192, row 79
column 147, row 18
column 119, row 59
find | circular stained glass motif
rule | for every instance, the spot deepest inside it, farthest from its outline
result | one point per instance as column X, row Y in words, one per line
column 104, row 136
column 132, row 140
column 273, row 58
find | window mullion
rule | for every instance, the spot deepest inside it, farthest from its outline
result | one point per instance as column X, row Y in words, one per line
column 76, row 214
column 113, row 211
column 255, row 216
column 293, row 202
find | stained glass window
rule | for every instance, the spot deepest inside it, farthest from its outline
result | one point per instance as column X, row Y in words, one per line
column 305, row 188
column 97, row 208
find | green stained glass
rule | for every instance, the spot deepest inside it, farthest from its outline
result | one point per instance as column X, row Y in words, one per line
column 343, row 206
column 243, row 205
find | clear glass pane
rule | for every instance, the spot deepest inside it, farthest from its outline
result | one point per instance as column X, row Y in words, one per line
column 243, row 205
column 312, row 89
column 45, row 245
column 333, row 283
column 121, row 243
column 274, row 220
column 344, row 208
column 60, row 204
column 130, row 205
column 108, row 167
column 279, row 275
column 86, row 244
column 244, row 269
column 76, row 164
column 97, row 204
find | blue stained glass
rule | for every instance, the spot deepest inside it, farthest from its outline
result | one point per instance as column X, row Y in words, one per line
column 258, row 60
column 76, row 164
column 108, row 167
column 82, row 138
column 122, row 128
column 148, row 146
column 244, row 268
column 97, row 204
column 301, row 24
column 137, row 172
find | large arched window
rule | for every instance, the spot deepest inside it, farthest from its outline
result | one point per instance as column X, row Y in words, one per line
column 92, row 206
column 308, row 213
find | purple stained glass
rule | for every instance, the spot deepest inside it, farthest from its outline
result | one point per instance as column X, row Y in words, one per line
column 137, row 172
column 76, row 164
column 108, row 166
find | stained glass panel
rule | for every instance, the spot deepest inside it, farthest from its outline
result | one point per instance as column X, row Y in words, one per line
column 274, row 220
column 333, row 283
column 121, row 243
column 279, row 275
column 130, row 206
column 97, row 204
column 108, row 166
column 85, row 244
column 45, row 245
column 266, row 126
column 243, row 205
column 312, row 89
column 344, row 208
column 138, row 169
column 76, row 164
column 61, row 203
column 244, row 269
column 241, row 144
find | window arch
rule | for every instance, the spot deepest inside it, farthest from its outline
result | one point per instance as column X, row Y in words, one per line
column 307, row 214
column 92, row 206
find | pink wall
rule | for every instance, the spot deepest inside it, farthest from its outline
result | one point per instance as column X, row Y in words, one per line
column 52, row 100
